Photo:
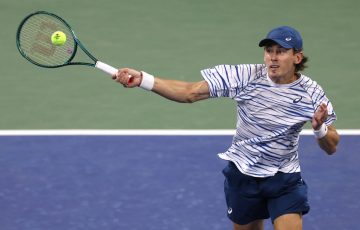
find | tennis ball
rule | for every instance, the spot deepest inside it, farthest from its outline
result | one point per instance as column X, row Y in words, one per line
column 58, row 38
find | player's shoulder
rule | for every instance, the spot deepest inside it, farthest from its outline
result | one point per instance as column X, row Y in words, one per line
column 237, row 72
column 241, row 67
column 314, row 91
column 308, row 84
column 249, row 71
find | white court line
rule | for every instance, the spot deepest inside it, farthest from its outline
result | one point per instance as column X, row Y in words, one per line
column 142, row 132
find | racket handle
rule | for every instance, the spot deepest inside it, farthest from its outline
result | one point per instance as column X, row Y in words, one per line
column 106, row 68
column 109, row 69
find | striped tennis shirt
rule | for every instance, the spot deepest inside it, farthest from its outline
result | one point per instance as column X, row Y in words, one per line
column 270, row 116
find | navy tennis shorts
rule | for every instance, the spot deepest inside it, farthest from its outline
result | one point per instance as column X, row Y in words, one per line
column 251, row 198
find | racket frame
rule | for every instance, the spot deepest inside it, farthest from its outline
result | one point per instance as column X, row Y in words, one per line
column 97, row 64
column 74, row 37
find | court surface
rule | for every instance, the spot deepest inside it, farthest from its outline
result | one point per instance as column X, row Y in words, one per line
column 152, row 182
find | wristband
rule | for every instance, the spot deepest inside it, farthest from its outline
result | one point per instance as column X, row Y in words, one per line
column 147, row 81
column 321, row 132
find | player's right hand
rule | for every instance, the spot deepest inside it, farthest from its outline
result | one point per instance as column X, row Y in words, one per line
column 129, row 78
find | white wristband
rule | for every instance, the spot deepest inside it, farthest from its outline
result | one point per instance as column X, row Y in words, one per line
column 147, row 81
column 321, row 132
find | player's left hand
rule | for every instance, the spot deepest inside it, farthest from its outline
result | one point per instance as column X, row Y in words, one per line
column 320, row 117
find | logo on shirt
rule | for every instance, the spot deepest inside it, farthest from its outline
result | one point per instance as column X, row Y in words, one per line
column 297, row 100
column 230, row 211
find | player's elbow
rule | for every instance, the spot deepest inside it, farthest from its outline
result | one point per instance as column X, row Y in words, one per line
column 330, row 151
column 329, row 148
column 183, row 98
column 194, row 93
column 329, row 144
column 190, row 98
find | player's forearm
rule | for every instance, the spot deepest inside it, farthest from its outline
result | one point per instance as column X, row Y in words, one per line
column 180, row 91
column 330, row 141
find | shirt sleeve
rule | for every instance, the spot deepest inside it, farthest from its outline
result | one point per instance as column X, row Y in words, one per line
column 230, row 80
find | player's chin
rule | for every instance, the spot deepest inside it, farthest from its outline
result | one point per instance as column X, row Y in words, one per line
column 273, row 74
column 276, row 77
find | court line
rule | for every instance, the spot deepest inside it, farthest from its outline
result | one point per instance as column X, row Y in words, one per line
column 142, row 132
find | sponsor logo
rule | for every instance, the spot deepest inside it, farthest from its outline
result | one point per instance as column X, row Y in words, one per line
column 230, row 211
column 297, row 100
column 288, row 39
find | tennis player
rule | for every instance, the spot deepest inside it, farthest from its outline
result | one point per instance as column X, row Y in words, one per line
column 274, row 101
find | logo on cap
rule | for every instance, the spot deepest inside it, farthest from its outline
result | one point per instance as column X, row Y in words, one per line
column 288, row 39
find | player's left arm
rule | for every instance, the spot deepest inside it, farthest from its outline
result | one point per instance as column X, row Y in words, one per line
column 329, row 138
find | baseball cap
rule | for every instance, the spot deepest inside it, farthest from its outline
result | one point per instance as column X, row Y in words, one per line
column 285, row 36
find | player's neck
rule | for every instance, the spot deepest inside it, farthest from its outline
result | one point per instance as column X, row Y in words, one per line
column 286, row 79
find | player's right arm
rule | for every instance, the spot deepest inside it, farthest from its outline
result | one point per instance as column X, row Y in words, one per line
column 179, row 91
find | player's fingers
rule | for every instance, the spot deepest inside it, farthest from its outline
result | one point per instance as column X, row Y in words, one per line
column 320, row 117
column 116, row 75
column 119, row 80
column 323, row 107
column 324, row 112
column 119, row 72
column 127, row 77
column 317, row 121
column 324, row 117
column 120, row 76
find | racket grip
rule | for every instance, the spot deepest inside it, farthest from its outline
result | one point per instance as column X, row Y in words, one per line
column 109, row 69
column 106, row 68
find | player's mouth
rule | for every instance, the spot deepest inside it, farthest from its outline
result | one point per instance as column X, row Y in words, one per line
column 274, row 66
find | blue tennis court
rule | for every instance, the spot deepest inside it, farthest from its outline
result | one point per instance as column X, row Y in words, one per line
column 152, row 182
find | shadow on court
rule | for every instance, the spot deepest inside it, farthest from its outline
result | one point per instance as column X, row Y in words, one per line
column 158, row 182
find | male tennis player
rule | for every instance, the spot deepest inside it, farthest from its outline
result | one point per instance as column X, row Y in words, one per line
column 274, row 101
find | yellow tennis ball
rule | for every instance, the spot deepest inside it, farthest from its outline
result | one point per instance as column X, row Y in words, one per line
column 58, row 38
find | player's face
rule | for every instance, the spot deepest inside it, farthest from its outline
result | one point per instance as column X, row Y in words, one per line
column 280, row 63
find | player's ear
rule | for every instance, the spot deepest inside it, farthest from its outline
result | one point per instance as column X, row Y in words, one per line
column 299, row 55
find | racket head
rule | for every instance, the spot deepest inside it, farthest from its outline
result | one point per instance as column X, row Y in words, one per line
column 33, row 40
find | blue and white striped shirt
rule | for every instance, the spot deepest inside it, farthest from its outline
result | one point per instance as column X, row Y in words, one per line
column 270, row 116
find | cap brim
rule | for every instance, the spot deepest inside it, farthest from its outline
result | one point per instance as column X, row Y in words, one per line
column 266, row 41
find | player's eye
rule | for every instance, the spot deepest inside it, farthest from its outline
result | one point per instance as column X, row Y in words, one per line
column 268, row 49
column 281, row 50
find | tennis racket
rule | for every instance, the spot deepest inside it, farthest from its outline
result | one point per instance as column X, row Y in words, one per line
column 33, row 40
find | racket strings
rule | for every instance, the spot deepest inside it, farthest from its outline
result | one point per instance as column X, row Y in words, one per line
column 35, row 41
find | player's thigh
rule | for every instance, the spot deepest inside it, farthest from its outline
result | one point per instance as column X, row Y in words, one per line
column 290, row 197
column 255, row 225
column 291, row 221
column 243, row 198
